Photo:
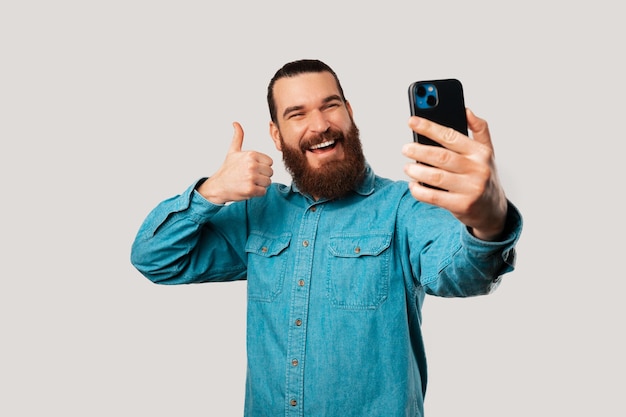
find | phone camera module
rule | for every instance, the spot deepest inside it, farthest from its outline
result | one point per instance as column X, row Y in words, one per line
column 426, row 96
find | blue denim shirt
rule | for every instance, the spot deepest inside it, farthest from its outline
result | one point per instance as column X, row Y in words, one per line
column 335, row 288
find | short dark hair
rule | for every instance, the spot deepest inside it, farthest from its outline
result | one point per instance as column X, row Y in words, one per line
column 291, row 69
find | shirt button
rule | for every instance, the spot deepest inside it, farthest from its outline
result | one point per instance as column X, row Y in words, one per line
column 313, row 209
column 293, row 402
column 298, row 322
column 305, row 243
column 294, row 362
column 357, row 250
column 301, row 283
column 264, row 249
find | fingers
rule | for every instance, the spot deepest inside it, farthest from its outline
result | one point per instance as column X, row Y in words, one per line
column 430, row 156
column 263, row 169
column 425, row 174
column 237, row 142
column 456, row 164
column 452, row 139
column 447, row 137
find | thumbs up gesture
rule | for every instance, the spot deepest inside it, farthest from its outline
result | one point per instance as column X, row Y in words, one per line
column 244, row 174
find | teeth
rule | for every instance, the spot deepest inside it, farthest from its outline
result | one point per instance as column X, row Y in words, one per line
column 323, row 144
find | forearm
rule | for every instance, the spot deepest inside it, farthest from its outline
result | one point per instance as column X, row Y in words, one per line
column 476, row 266
column 178, row 244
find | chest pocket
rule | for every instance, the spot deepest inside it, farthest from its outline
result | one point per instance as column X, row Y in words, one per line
column 358, row 270
column 266, row 265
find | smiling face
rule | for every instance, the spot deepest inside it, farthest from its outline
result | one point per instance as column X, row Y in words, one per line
column 315, row 132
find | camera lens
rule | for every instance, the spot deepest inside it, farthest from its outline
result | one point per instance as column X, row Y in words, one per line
column 421, row 91
column 431, row 100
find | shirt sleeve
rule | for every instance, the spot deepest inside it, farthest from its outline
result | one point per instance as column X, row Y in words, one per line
column 181, row 241
column 450, row 262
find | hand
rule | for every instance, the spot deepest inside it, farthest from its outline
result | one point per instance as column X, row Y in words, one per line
column 244, row 174
column 464, row 167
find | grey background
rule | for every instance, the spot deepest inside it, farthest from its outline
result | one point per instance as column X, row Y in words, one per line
column 107, row 108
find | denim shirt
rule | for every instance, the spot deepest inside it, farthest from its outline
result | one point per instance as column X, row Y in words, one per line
column 335, row 288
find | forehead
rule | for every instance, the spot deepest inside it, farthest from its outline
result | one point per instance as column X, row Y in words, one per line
column 308, row 89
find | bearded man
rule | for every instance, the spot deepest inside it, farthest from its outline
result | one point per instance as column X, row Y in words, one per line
column 338, row 263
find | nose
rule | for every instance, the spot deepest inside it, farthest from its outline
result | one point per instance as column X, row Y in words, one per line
column 318, row 122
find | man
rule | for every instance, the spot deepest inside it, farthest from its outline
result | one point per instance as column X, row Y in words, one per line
column 339, row 262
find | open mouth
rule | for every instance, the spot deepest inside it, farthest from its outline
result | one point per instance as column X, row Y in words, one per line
column 324, row 146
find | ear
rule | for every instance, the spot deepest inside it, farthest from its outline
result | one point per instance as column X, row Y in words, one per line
column 349, row 107
column 275, row 134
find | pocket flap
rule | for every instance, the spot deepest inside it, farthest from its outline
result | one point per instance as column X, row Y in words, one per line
column 267, row 245
column 361, row 245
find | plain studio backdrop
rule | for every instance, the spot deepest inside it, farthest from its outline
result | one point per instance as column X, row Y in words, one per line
column 107, row 108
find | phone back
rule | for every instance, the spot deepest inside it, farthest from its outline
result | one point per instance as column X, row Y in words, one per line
column 440, row 101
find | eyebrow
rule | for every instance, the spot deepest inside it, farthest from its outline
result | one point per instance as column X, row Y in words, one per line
column 297, row 108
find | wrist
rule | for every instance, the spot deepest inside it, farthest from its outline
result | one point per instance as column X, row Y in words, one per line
column 486, row 235
column 206, row 189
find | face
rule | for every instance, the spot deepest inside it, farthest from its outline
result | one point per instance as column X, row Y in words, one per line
column 317, row 135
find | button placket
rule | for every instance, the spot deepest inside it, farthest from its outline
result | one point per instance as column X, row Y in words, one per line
column 299, row 310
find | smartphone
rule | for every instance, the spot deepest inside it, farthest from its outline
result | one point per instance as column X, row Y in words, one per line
column 440, row 101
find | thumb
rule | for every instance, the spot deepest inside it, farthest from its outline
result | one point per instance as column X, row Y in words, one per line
column 479, row 128
column 235, row 145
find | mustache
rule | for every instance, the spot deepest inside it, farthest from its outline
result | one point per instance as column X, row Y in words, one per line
column 335, row 135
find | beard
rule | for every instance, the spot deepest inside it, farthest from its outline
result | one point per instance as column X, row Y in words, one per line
column 333, row 179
